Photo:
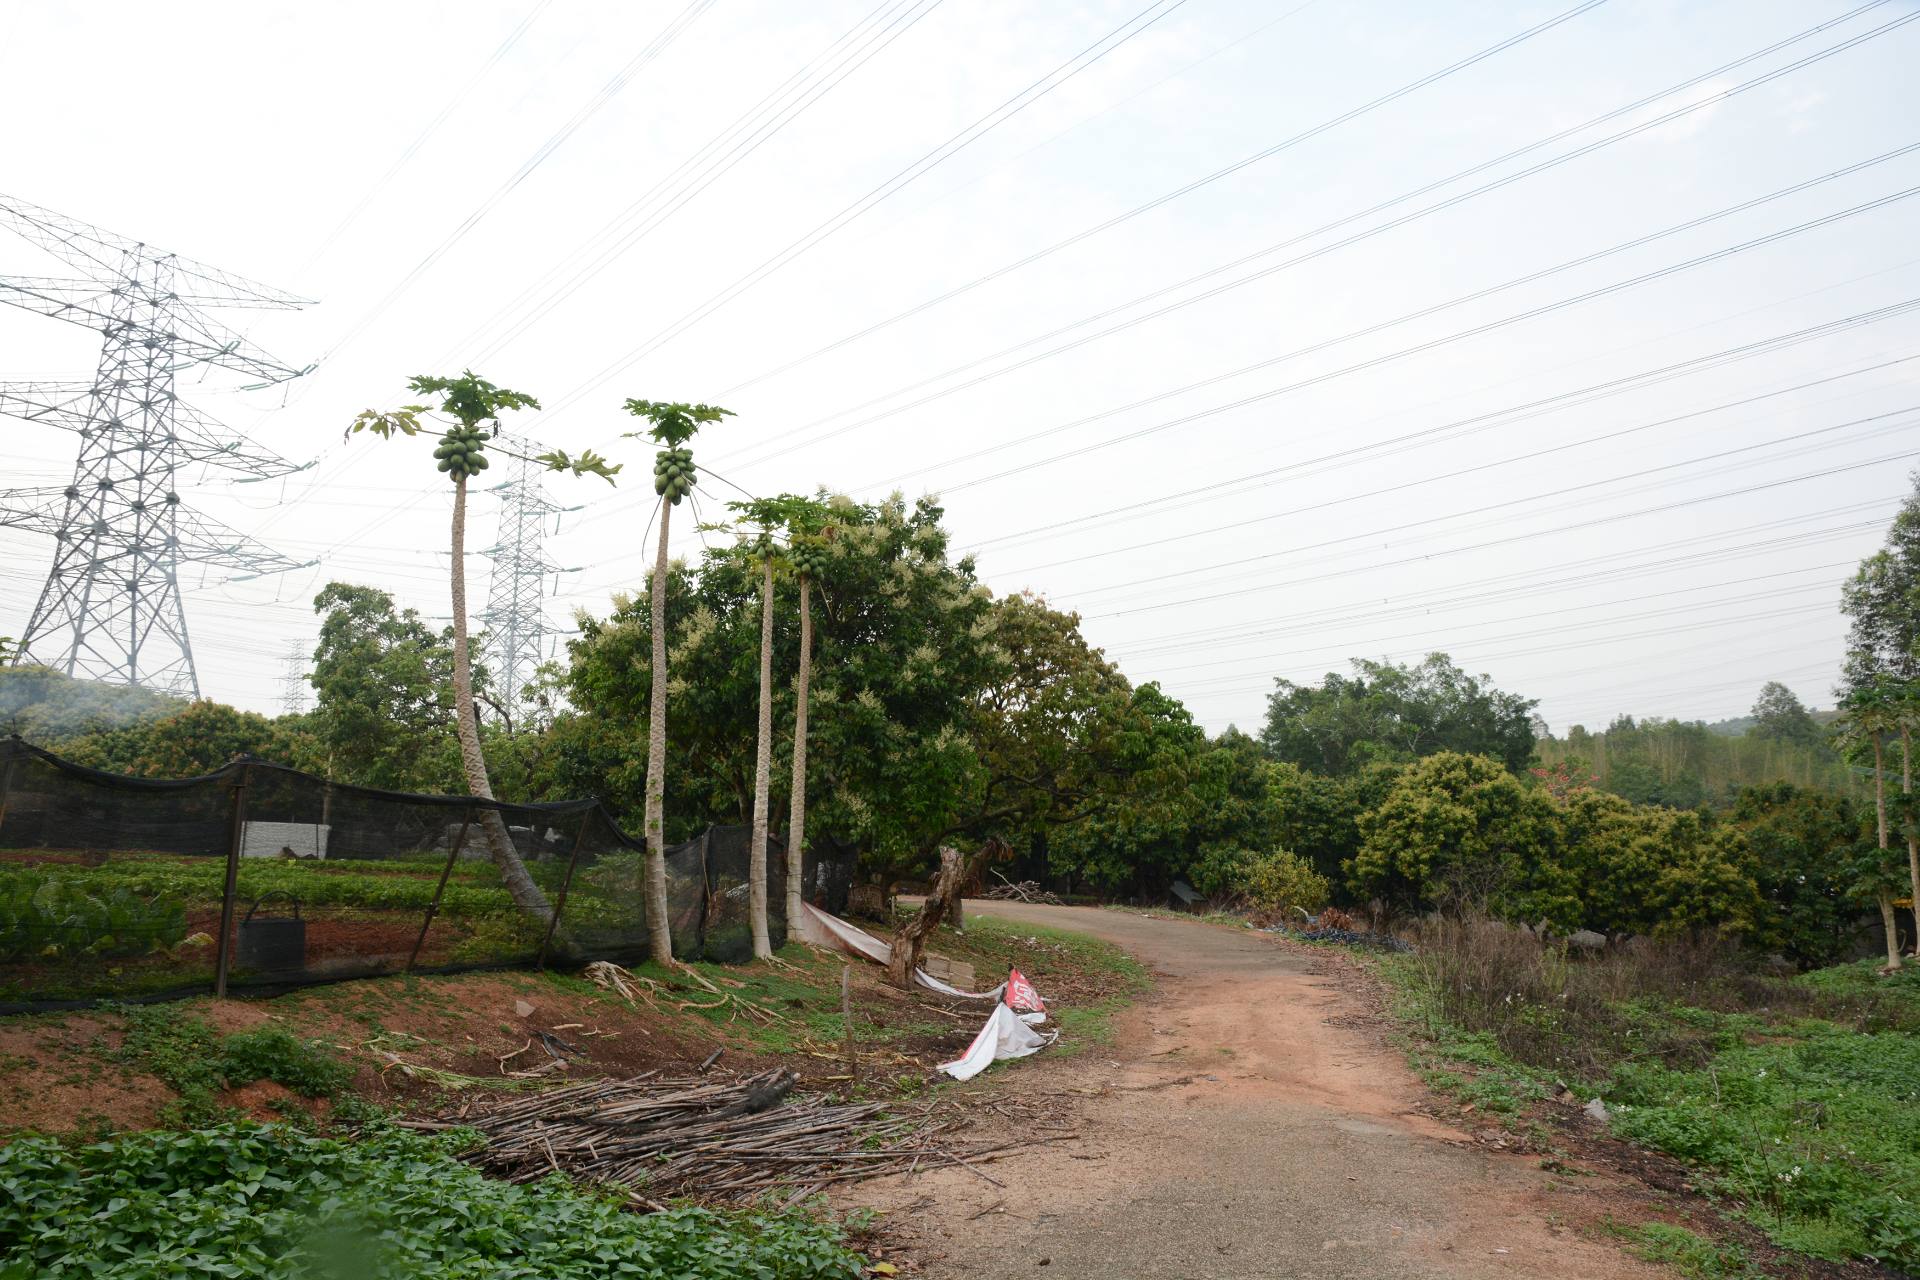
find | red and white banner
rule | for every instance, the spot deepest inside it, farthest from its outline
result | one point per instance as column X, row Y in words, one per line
column 1021, row 997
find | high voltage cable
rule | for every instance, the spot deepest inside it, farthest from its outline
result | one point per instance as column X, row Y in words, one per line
column 1092, row 54
column 1357, row 237
column 607, row 92
column 1497, row 542
column 1438, row 477
column 1348, row 615
column 1195, row 185
column 1355, row 645
column 781, row 106
column 1012, row 106
column 1461, row 427
column 1531, row 313
column 1497, row 521
column 1207, row 687
column 616, row 504
column 1718, row 645
column 1522, row 583
column 433, row 126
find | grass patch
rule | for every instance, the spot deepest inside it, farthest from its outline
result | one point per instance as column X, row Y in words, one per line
column 272, row 1202
column 1688, row 1252
column 1797, row 1099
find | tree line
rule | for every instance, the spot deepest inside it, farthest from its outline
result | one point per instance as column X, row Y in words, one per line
column 834, row 662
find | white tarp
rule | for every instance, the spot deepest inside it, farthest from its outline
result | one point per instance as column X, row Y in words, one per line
column 1006, row 1035
column 835, row 934
column 1011, row 1030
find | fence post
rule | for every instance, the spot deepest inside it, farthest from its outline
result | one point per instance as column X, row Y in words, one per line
column 6, row 786
column 433, row 908
column 560, row 903
column 236, row 836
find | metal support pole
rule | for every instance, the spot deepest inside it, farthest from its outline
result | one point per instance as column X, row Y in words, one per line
column 6, row 787
column 560, row 903
column 433, row 908
column 236, row 836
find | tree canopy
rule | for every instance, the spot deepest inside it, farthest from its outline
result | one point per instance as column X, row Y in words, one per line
column 1386, row 711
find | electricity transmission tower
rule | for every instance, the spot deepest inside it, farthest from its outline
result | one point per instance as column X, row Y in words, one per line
column 293, row 685
column 111, row 608
column 516, row 626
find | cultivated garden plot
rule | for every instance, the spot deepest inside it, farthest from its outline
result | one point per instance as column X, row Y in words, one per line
column 116, row 888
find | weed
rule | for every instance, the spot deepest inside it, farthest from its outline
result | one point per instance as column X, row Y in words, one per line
column 196, row 1062
column 1689, row 1253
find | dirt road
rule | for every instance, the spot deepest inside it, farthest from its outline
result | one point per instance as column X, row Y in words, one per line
column 1246, row 1123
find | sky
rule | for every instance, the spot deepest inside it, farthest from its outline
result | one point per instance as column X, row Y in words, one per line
column 1584, row 361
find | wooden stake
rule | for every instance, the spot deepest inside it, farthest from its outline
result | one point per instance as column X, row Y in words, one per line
column 846, row 1015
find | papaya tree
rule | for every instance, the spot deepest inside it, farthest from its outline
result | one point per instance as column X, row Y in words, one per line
column 671, row 426
column 766, row 519
column 471, row 403
column 807, row 554
column 1882, row 673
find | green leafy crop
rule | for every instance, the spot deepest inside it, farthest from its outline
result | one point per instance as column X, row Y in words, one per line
column 274, row 1203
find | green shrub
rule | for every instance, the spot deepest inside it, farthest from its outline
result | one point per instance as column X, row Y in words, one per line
column 46, row 913
column 1282, row 881
column 273, row 1203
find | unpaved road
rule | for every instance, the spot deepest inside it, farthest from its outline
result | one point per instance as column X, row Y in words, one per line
column 1244, row 1124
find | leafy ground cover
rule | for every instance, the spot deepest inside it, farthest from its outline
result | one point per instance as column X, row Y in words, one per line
column 1796, row 1100
column 272, row 1202
column 212, row 1191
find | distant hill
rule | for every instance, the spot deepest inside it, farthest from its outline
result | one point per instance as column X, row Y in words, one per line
column 1738, row 726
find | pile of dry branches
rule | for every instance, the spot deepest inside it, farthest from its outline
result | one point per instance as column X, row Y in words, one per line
column 1020, row 891
column 719, row 1141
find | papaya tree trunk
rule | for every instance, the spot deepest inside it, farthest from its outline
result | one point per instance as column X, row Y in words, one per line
column 466, row 726
column 762, row 775
column 1891, row 924
column 797, row 810
column 659, row 930
column 1880, row 816
column 1913, row 837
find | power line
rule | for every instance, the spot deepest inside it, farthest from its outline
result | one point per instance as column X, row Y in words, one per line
column 1529, row 583
column 1459, row 428
column 1198, row 183
column 1693, row 605
column 432, row 127
column 719, row 156
column 606, row 94
column 1039, row 89
column 1548, row 451
column 1596, row 522
column 1368, row 233
column 1531, row 313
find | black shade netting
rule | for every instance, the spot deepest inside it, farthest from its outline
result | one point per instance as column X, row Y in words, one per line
column 114, row 888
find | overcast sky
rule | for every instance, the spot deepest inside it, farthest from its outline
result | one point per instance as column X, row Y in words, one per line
column 1328, row 460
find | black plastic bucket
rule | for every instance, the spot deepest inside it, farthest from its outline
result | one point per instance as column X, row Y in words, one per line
column 273, row 944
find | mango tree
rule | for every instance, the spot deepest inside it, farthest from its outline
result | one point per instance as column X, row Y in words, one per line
column 471, row 402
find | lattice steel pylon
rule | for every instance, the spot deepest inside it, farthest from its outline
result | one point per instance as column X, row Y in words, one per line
column 515, row 621
column 293, row 684
column 111, row 607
